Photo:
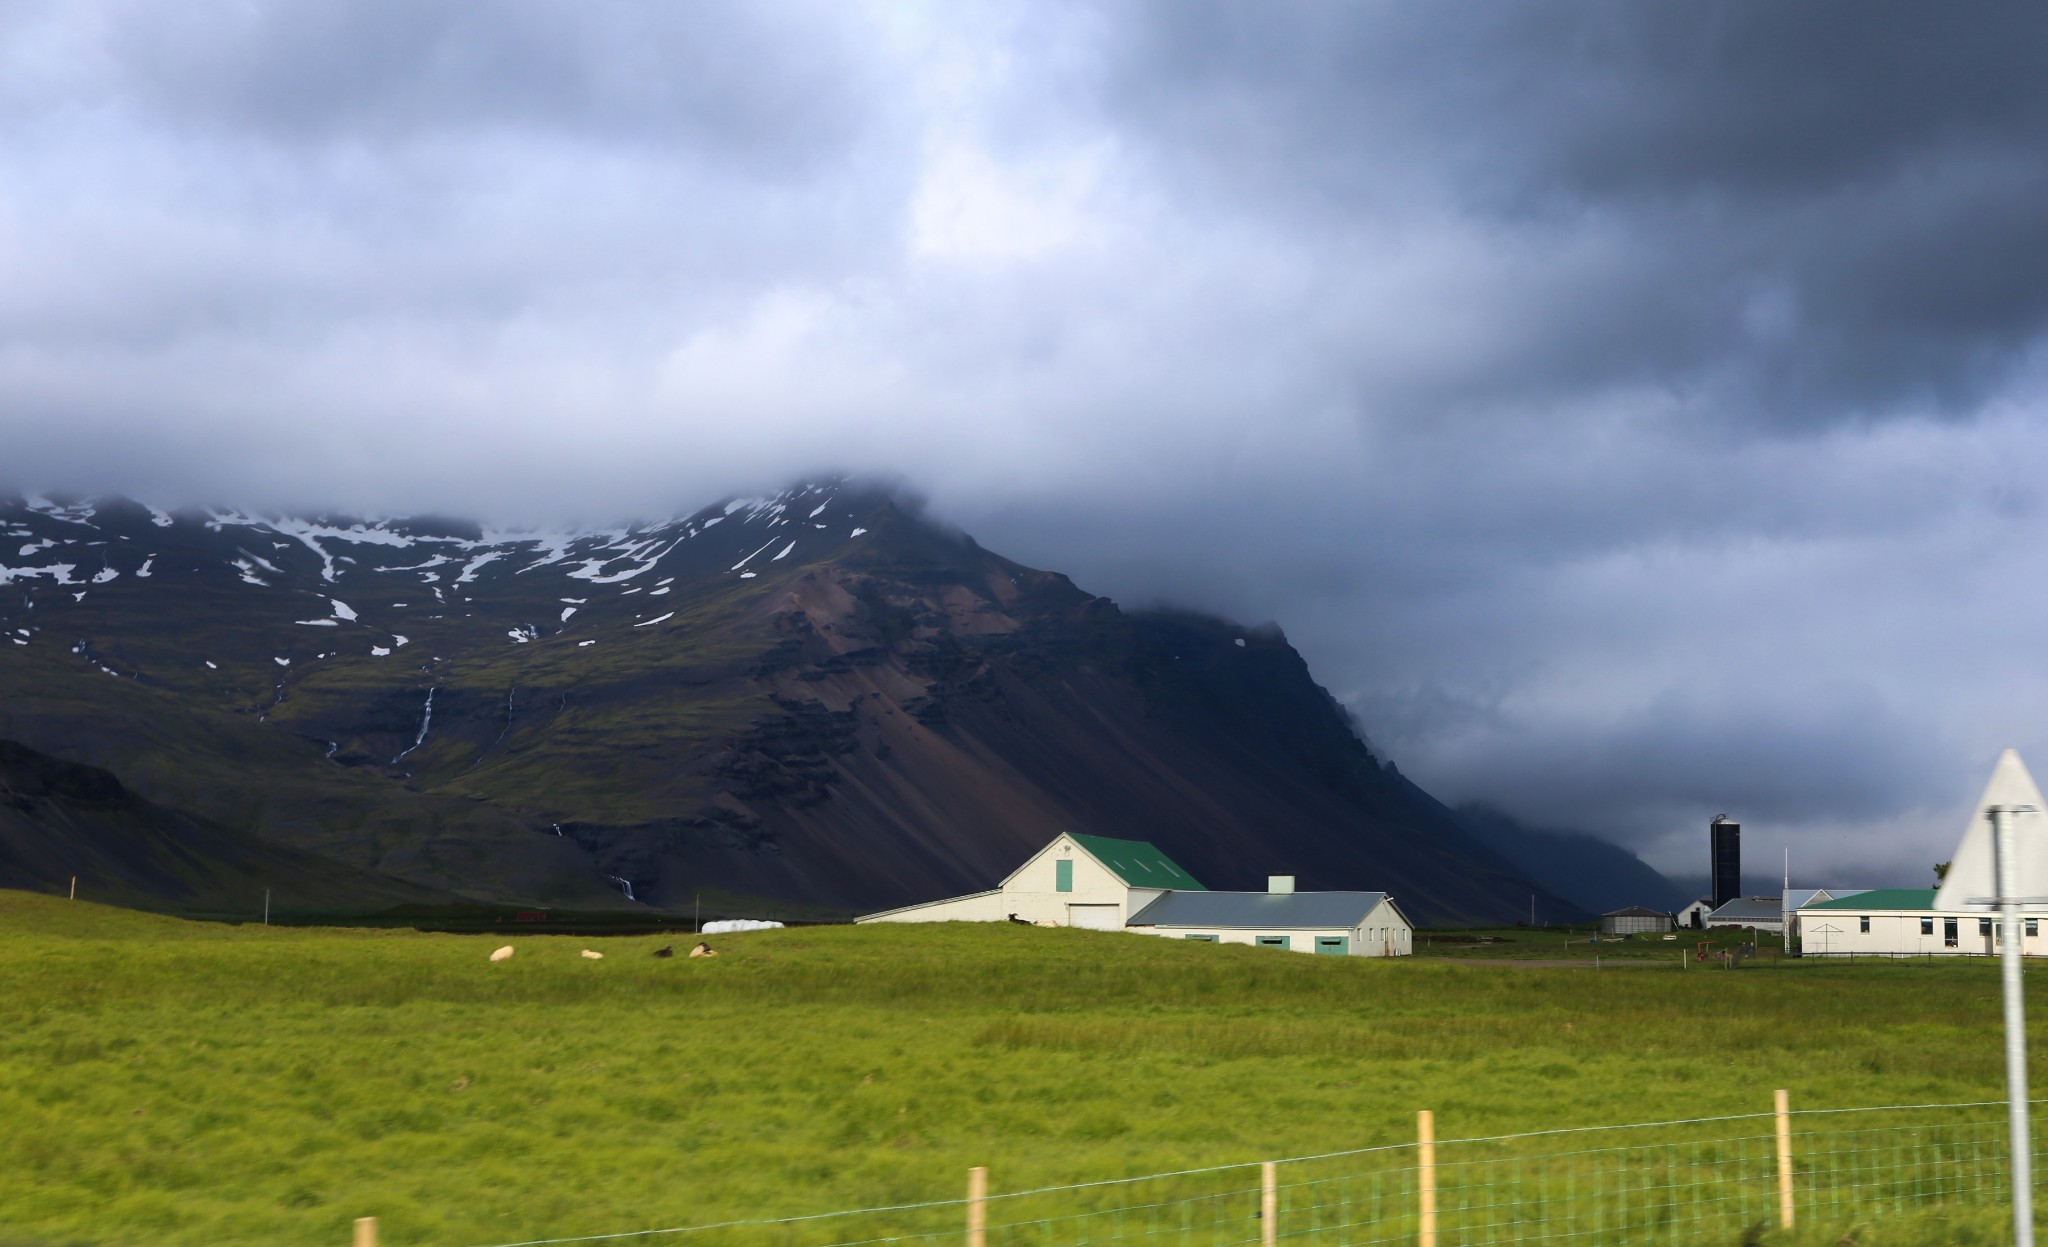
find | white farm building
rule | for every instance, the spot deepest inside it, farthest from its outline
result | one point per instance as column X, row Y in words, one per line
column 1952, row 920
column 1104, row 884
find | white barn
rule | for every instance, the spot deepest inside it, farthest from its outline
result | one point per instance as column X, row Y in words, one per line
column 1075, row 881
column 1104, row 884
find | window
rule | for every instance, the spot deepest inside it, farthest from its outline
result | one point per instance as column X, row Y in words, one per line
column 1983, row 926
column 1948, row 933
column 1063, row 875
column 1273, row 941
column 1863, row 924
column 1206, row 939
column 2033, row 927
column 1337, row 944
column 1927, row 926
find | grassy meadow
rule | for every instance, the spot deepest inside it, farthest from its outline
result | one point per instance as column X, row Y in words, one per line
column 1581, row 944
column 173, row 1083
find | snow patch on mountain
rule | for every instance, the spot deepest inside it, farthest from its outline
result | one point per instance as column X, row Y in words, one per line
column 59, row 572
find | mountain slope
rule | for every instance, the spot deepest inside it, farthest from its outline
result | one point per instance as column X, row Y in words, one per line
column 819, row 698
column 60, row 822
column 1590, row 872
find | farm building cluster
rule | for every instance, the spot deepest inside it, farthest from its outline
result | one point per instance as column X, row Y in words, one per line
column 1951, row 920
column 1104, row 884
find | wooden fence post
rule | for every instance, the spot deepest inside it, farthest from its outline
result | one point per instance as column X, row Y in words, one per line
column 1425, row 1174
column 366, row 1232
column 1784, row 1108
column 1269, row 1203
column 977, row 1206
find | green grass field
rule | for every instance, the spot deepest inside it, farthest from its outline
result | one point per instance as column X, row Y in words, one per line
column 1581, row 944
column 174, row 1083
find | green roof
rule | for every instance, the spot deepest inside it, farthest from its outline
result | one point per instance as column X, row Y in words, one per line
column 1882, row 898
column 1138, row 864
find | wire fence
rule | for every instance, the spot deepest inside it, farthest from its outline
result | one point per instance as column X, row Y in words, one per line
column 1937, row 1173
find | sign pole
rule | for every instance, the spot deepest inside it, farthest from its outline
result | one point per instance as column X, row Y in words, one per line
column 2005, row 872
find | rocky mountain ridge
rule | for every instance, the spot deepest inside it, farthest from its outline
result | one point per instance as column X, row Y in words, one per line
column 818, row 700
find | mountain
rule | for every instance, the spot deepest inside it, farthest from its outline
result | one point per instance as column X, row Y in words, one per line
column 819, row 700
column 60, row 821
column 1591, row 873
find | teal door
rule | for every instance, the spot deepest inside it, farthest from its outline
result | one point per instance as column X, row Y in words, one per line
column 1206, row 939
column 1063, row 875
column 1274, row 941
column 1338, row 944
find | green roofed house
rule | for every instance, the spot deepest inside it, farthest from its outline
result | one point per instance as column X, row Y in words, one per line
column 1105, row 884
column 1896, row 922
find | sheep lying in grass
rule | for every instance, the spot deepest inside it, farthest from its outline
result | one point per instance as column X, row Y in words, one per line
column 503, row 954
column 703, row 950
column 591, row 956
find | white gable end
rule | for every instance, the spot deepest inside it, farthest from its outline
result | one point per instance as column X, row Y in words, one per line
column 1970, row 874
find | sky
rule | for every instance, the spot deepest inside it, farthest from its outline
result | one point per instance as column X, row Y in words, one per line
column 1634, row 412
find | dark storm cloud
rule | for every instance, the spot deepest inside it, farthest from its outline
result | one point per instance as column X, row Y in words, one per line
column 1848, row 195
column 1631, row 410
column 772, row 89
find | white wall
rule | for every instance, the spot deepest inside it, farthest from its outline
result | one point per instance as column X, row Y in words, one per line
column 1898, row 931
column 1298, row 940
column 1032, row 893
column 1383, row 933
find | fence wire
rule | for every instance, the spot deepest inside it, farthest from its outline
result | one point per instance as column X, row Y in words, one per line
column 1662, row 1184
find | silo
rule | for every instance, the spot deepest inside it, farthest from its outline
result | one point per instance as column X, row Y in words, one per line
column 1724, row 851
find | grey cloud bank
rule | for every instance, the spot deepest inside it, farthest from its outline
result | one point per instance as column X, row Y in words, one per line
column 1632, row 411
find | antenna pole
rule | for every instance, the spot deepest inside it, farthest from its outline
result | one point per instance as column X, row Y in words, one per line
column 2005, row 872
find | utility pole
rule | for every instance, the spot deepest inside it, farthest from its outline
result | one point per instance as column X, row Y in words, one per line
column 266, row 907
column 2005, row 871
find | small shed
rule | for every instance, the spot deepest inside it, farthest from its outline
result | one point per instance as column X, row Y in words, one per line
column 1635, row 920
column 1694, row 916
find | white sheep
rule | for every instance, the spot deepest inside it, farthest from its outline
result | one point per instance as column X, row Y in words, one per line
column 503, row 954
column 591, row 956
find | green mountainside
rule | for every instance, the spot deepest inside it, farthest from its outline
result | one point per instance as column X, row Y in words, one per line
column 817, row 703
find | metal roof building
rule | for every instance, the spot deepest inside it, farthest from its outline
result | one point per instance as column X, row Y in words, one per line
column 1244, row 910
column 1107, row 884
column 1896, row 922
column 1635, row 920
column 1765, row 913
